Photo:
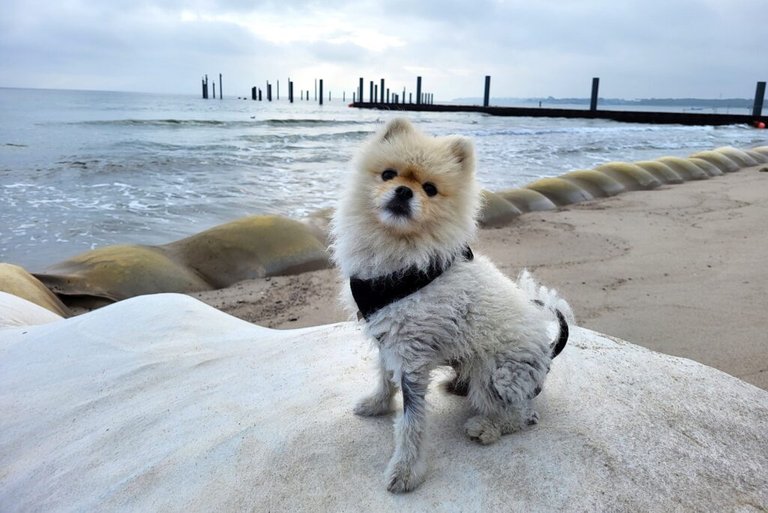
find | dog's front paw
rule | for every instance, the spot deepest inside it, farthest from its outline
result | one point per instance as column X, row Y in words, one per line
column 373, row 406
column 482, row 429
column 404, row 477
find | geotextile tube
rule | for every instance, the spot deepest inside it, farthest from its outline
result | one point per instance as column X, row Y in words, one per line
column 261, row 246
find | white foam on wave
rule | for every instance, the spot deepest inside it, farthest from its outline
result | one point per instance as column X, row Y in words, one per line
column 19, row 185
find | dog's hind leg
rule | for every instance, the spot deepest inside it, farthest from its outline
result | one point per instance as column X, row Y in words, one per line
column 380, row 402
column 505, row 397
column 408, row 466
column 487, row 429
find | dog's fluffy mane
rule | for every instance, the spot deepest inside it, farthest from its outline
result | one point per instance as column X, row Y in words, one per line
column 365, row 247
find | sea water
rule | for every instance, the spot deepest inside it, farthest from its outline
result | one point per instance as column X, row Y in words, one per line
column 84, row 169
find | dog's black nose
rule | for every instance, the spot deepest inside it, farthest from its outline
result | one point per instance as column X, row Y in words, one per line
column 403, row 193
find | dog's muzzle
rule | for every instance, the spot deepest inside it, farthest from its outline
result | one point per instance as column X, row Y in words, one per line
column 400, row 204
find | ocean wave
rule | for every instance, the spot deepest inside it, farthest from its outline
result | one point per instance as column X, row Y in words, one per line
column 165, row 123
column 242, row 123
column 313, row 122
column 616, row 129
column 292, row 138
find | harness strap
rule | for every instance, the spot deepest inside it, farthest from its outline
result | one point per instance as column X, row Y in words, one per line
column 374, row 294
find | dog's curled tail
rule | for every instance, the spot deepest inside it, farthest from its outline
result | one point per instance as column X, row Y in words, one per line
column 550, row 299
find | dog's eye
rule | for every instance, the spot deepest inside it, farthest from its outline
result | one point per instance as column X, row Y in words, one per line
column 388, row 174
column 429, row 188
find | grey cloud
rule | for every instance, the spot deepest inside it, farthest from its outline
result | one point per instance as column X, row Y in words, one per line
column 686, row 47
column 339, row 53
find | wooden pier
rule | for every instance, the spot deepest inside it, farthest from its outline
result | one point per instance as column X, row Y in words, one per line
column 593, row 112
column 380, row 97
column 661, row 118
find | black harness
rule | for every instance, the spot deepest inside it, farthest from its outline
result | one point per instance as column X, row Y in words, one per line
column 374, row 294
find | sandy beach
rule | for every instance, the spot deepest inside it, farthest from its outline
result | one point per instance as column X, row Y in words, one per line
column 678, row 270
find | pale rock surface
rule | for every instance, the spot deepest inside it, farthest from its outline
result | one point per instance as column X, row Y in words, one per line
column 17, row 311
column 161, row 403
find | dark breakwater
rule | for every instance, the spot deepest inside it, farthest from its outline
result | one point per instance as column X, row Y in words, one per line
column 657, row 118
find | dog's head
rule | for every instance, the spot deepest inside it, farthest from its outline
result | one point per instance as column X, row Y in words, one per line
column 415, row 183
column 409, row 193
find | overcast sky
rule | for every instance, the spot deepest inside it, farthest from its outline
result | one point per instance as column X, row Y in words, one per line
column 639, row 48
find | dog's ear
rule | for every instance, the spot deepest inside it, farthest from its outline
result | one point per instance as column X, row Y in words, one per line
column 463, row 151
column 395, row 128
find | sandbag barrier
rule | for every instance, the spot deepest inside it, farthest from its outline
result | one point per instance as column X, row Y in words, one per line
column 262, row 246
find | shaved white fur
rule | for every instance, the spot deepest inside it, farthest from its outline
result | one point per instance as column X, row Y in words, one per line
column 472, row 317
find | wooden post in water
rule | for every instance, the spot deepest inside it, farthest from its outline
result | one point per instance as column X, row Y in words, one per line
column 487, row 95
column 410, row 97
column 381, row 91
column 221, row 89
column 253, row 93
column 205, row 88
column 321, row 90
column 290, row 91
column 370, row 96
column 387, row 94
column 214, row 90
column 344, row 96
column 418, row 90
column 260, row 94
column 757, row 107
column 278, row 90
column 593, row 100
column 269, row 92
column 360, row 91
column 376, row 93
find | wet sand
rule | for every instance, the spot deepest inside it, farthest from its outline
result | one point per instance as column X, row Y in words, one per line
column 680, row 270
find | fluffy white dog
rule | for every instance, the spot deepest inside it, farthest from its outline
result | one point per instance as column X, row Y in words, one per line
column 401, row 236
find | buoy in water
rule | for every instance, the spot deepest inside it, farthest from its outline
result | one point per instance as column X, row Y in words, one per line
column 759, row 124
